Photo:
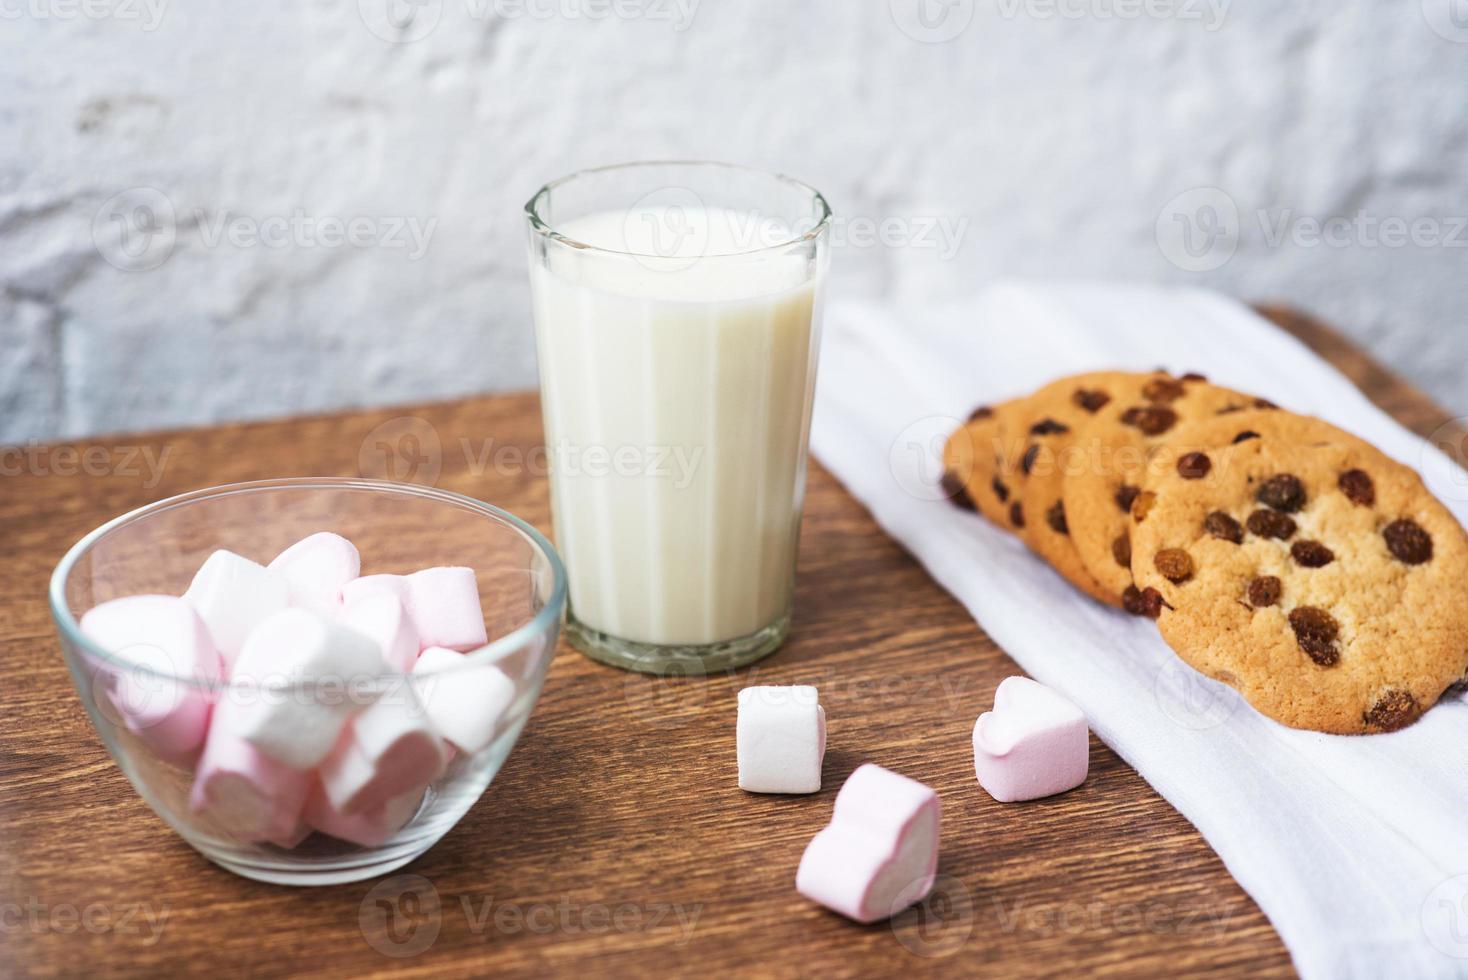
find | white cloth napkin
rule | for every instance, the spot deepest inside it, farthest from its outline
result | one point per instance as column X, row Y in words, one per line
column 1355, row 847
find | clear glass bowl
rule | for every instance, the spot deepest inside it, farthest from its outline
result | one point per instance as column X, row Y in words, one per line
column 397, row 528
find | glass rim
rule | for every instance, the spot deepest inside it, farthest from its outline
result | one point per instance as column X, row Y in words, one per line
column 491, row 652
column 543, row 228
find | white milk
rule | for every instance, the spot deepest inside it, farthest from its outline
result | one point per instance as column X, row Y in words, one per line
column 677, row 401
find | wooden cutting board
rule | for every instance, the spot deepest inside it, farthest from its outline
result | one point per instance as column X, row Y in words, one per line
column 615, row 840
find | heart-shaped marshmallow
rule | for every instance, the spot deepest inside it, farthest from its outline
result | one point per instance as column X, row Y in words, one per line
column 1034, row 743
column 317, row 566
column 780, row 739
column 879, row 853
column 165, row 701
column 233, row 595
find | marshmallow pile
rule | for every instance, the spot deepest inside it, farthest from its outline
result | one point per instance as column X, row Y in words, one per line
column 304, row 695
column 879, row 853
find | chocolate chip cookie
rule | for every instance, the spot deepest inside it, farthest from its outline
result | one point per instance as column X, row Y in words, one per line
column 1322, row 580
column 1062, row 447
column 1124, row 443
column 978, row 463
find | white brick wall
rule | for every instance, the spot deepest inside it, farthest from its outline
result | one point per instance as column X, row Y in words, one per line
column 1053, row 132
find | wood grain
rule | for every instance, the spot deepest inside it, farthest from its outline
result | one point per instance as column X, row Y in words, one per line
column 614, row 842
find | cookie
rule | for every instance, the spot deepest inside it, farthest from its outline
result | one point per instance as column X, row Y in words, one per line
column 977, row 464
column 1114, row 451
column 1322, row 581
column 1056, row 452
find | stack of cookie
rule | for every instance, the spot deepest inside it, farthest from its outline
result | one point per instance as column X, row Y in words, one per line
column 1279, row 554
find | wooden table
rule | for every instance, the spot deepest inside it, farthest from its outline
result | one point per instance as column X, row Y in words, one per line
column 615, row 840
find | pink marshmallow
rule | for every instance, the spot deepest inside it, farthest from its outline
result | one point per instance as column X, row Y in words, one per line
column 879, row 853
column 166, row 703
column 464, row 701
column 389, row 749
column 294, row 837
column 359, row 588
column 369, row 828
column 245, row 792
column 383, row 618
column 445, row 605
column 317, row 567
column 1034, row 743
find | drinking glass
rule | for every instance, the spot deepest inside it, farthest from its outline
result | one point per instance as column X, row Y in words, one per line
column 677, row 313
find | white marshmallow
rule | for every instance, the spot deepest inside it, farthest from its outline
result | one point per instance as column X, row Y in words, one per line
column 463, row 701
column 298, row 680
column 390, row 749
column 780, row 739
column 166, row 703
column 316, row 567
column 383, row 617
column 233, row 595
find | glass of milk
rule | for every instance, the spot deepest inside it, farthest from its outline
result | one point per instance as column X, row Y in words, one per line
column 677, row 316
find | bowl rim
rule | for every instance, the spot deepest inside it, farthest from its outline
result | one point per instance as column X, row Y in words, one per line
column 491, row 652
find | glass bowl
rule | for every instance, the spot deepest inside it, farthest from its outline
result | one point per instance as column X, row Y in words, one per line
column 397, row 528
